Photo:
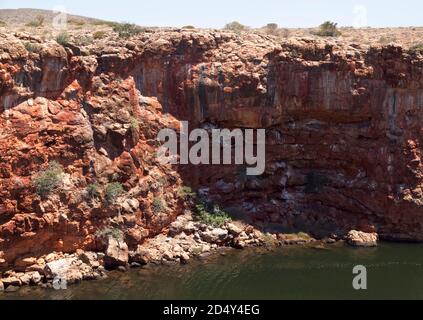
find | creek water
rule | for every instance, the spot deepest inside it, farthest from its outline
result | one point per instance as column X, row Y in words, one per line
column 395, row 271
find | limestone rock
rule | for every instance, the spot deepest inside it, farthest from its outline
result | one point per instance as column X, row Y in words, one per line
column 362, row 239
column 117, row 253
column 58, row 268
column 217, row 235
column 11, row 281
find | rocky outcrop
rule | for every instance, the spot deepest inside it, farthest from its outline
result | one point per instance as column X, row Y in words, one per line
column 117, row 253
column 343, row 136
column 362, row 239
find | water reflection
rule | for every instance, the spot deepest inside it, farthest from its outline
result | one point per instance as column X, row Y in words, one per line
column 395, row 271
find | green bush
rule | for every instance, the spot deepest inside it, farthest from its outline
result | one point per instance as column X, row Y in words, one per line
column 76, row 22
column 104, row 23
column 38, row 22
column 134, row 123
column 272, row 26
column 93, row 191
column 2, row 23
column 186, row 192
column 63, row 38
column 110, row 232
column 127, row 30
column 113, row 191
column 48, row 180
column 328, row 29
column 211, row 215
column 32, row 47
column 99, row 35
column 235, row 26
column 158, row 205
column 83, row 41
column 188, row 27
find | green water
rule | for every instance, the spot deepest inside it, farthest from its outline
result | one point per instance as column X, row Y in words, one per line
column 395, row 271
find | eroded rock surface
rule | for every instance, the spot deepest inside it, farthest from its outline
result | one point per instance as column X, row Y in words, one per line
column 343, row 136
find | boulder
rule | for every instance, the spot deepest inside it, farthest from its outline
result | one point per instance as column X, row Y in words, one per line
column 35, row 278
column 362, row 239
column 11, row 281
column 58, row 268
column 217, row 235
column 234, row 229
column 140, row 256
column 12, row 289
column 90, row 258
column 25, row 279
column 182, row 224
column 117, row 253
column 23, row 263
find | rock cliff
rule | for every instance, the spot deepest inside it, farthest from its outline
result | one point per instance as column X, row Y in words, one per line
column 343, row 135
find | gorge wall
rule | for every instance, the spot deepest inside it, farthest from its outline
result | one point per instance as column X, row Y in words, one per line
column 343, row 135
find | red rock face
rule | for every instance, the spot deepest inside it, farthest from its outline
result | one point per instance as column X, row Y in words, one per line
column 343, row 135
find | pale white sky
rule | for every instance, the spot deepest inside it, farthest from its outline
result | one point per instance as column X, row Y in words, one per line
column 216, row 13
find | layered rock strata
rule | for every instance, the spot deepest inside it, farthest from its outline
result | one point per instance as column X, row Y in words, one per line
column 343, row 136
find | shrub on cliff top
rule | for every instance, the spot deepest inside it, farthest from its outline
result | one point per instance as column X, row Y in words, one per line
column 271, row 27
column 417, row 47
column 127, row 30
column 2, row 23
column 328, row 29
column 235, row 26
column 98, row 35
column 32, row 47
column 48, row 180
column 114, row 191
column 82, row 41
column 63, row 38
column 38, row 22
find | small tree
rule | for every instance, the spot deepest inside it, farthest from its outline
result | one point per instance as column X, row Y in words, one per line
column 328, row 29
column 127, row 30
column 271, row 28
column 235, row 26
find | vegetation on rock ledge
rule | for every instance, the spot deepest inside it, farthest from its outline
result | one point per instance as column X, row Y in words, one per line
column 211, row 214
column 49, row 179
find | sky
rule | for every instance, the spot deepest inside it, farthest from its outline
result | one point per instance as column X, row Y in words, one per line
column 216, row 13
